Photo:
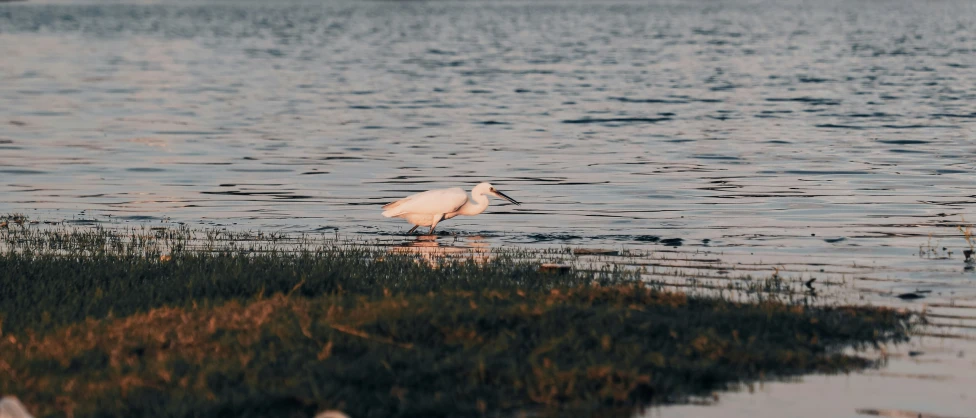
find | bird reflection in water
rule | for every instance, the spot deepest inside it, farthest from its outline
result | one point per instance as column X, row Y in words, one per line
column 427, row 249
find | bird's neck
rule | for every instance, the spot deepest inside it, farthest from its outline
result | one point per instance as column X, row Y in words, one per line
column 479, row 205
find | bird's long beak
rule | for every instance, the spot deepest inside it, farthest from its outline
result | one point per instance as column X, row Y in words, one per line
column 503, row 196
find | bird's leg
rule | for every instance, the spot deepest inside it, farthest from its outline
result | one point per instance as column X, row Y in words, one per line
column 434, row 225
column 413, row 229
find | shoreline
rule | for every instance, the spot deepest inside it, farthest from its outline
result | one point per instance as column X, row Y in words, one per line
column 113, row 325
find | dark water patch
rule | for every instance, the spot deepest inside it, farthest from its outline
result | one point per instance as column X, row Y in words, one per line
column 284, row 195
column 813, row 101
column 82, row 221
column 492, row 122
column 723, row 116
column 630, row 238
column 17, row 171
column 145, row 170
column 911, row 296
column 818, row 172
column 594, row 251
column 138, row 218
column 261, row 170
column 265, row 52
column 812, row 79
column 647, row 238
column 834, row 240
column 920, row 126
column 339, row 157
column 616, row 120
column 954, row 115
column 904, row 141
column 868, row 115
column 47, row 113
column 312, row 173
column 189, row 133
column 839, row 126
column 658, row 101
column 672, row 242
column 292, row 197
column 715, row 157
column 553, row 237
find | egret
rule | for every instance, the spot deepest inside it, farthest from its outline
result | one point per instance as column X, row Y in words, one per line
column 430, row 207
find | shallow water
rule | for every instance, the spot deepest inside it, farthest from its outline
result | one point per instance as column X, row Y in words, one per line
column 829, row 139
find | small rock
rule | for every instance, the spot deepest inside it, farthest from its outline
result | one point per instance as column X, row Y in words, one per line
column 10, row 407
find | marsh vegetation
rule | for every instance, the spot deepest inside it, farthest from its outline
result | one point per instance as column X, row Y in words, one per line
column 177, row 322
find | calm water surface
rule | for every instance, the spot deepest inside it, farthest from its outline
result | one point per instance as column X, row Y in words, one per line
column 823, row 139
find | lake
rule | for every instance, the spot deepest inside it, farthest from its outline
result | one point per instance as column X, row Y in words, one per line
column 833, row 140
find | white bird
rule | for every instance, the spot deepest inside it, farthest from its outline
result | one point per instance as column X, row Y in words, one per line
column 430, row 207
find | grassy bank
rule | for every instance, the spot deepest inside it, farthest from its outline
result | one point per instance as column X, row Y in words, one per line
column 184, row 323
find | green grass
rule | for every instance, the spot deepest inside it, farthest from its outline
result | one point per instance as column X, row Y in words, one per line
column 100, row 323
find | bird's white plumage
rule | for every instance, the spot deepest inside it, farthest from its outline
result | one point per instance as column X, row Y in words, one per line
column 429, row 202
column 430, row 207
